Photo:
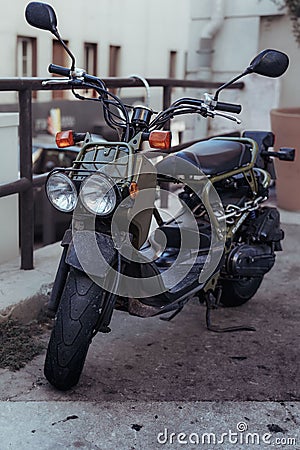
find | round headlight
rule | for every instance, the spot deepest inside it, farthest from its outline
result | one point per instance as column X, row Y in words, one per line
column 61, row 192
column 98, row 195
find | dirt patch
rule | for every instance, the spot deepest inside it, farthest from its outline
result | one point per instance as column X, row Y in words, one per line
column 20, row 343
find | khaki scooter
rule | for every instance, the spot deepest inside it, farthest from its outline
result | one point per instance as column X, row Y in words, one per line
column 121, row 252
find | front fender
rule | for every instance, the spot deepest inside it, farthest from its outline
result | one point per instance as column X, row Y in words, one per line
column 90, row 251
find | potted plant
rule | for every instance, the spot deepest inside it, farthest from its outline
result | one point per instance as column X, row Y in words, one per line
column 292, row 8
column 285, row 123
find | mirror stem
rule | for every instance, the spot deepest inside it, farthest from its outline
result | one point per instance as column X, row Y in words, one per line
column 229, row 83
column 57, row 35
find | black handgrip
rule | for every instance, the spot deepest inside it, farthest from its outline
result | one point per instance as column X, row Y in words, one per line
column 229, row 107
column 59, row 70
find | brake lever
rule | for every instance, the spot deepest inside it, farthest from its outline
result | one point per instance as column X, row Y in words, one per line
column 56, row 81
column 211, row 113
column 206, row 111
column 227, row 116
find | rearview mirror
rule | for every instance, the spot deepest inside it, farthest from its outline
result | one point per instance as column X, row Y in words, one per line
column 40, row 15
column 270, row 63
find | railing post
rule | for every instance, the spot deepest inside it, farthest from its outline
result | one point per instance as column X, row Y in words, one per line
column 26, row 197
column 164, row 187
column 167, row 98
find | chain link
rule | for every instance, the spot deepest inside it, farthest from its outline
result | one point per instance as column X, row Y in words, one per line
column 234, row 211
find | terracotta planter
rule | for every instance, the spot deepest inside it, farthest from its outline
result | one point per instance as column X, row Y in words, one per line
column 285, row 125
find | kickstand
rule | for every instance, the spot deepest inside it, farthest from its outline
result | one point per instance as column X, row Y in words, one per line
column 212, row 302
column 169, row 318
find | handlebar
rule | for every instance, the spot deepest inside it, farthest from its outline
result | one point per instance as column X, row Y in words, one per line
column 228, row 107
column 220, row 106
column 59, row 70
column 65, row 72
column 207, row 107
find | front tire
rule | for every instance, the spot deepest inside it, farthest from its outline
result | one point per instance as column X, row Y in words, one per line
column 238, row 292
column 71, row 336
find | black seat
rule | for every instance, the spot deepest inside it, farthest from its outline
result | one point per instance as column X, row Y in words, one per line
column 214, row 156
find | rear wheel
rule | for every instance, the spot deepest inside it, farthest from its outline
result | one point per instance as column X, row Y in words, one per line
column 238, row 292
column 71, row 336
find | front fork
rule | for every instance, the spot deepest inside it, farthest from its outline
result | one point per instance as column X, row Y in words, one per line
column 109, row 301
column 59, row 283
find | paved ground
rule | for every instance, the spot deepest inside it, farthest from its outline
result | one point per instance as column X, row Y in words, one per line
column 148, row 375
column 147, row 425
column 23, row 292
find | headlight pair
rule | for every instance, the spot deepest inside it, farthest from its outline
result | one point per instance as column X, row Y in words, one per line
column 97, row 193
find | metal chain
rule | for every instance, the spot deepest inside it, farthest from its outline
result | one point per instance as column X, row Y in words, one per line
column 234, row 211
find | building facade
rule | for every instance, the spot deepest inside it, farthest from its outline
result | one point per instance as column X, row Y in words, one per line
column 108, row 38
column 196, row 39
column 224, row 37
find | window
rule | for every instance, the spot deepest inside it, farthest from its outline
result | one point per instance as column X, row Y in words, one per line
column 114, row 63
column 59, row 57
column 90, row 58
column 172, row 64
column 90, row 61
column 185, row 65
column 114, row 60
column 26, row 57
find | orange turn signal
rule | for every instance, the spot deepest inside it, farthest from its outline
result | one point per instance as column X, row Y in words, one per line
column 64, row 139
column 160, row 139
column 133, row 189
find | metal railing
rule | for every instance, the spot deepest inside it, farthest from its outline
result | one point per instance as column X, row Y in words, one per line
column 27, row 181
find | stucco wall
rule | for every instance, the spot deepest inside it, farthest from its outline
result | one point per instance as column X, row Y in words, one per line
column 9, row 224
column 276, row 32
column 246, row 28
column 146, row 31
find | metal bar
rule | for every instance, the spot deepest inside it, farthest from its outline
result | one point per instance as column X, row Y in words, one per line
column 167, row 100
column 20, row 84
column 26, row 197
column 15, row 187
column 164, row 187
column 39, row 180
